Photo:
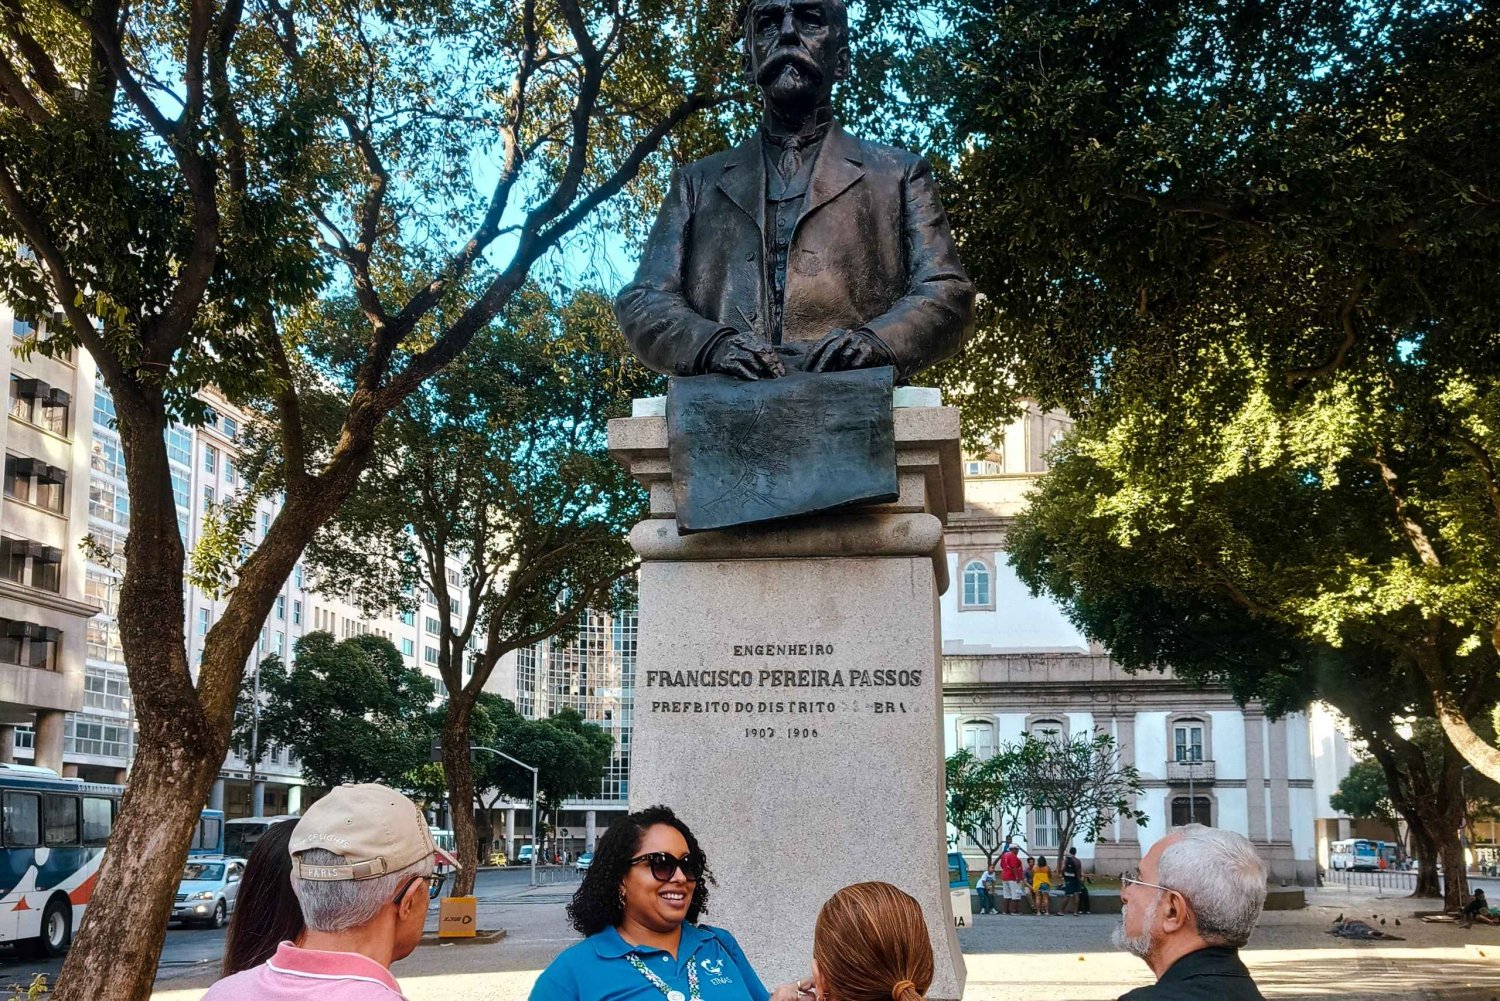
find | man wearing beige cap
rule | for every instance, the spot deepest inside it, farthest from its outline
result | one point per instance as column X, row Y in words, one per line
column 363, row 864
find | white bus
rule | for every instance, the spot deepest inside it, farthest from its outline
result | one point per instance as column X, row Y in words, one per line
column 1359, row 855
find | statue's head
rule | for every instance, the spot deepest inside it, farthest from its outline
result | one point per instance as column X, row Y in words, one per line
column 795, row 50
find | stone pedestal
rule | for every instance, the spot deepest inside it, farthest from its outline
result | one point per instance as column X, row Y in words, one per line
column 788, row 696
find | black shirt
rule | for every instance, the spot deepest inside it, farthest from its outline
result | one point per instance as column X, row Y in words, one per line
column 1211, row 974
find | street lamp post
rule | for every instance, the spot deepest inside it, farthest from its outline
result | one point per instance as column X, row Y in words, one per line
column 535, row 847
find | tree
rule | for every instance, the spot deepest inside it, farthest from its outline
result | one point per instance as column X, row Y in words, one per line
column 493, row 491
column 351, row 710
column 1151, row 599
column 1365, row 794
column 975, row 787
column 187, row 177
column 1080, row 780
column 1254, row 246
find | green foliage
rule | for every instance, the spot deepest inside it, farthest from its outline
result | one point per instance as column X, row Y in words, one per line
column 1252, row 247
column 498, row 463
column 985, row 797
column 1364, row 793
column 350, row 709
column 1081, row 779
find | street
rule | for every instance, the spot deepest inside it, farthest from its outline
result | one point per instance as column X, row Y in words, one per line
column 192, row 952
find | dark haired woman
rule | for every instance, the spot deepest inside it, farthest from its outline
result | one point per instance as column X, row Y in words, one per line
column 639, row 906
column 266, row 912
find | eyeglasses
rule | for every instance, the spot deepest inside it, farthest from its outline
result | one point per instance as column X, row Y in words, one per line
column 1130, row 879
column 434, row 886
column 664, row 865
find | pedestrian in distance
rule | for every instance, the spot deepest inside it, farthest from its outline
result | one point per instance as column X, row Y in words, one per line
column 871, row 944
column 364, row 906
column 638, row 908
column 1189, row 911
column 986, row 888
column 1075, row 895
column 1012, row 873
column 266, row 912
column 1041, row 886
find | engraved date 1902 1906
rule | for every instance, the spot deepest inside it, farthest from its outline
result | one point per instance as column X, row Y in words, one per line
column 783, row 732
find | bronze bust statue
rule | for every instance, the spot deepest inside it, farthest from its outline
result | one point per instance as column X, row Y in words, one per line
column 803, row 248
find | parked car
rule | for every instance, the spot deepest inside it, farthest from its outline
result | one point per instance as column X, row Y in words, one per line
column 584, row 860
column 206, row 895
column 523, row 857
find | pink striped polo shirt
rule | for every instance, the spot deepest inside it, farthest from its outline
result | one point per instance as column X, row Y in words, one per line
column 295, row 974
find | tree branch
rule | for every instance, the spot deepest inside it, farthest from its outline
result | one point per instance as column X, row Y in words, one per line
column 1405, row 517
column 14, row 89
column 1346, row 324
column 63, row 283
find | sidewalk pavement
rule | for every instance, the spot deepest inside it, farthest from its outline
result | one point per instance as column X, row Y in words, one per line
column 1029, row 958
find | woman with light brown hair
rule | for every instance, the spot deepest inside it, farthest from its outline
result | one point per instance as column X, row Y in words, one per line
column 871, row 944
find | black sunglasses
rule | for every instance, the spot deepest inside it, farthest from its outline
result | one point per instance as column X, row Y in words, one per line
column 664, row 865
column 434, row 886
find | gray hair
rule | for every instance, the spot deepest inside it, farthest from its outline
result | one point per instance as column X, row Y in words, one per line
column 1222, row 878
column 334, row 905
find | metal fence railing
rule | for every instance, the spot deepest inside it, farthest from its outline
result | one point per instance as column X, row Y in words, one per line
column 1383, row 879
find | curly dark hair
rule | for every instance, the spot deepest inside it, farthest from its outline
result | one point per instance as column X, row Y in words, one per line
column 597, row 905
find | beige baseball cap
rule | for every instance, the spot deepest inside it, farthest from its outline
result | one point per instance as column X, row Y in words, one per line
column 375, row 828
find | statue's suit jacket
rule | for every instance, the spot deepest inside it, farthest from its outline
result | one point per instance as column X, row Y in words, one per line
column 871, row 249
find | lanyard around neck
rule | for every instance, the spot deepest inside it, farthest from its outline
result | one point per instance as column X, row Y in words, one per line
column 661, row 985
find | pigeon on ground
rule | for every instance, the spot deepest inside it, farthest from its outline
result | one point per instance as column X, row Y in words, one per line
column 1382, row 920
column 1398, row 922
column 1339, row 920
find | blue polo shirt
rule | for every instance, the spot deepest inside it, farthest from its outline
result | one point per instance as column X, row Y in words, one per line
column 596, row 969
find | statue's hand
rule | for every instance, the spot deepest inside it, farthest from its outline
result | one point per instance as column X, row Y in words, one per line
column 746, row 356
column 842, row 350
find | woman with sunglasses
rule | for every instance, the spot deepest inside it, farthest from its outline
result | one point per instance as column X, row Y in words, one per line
column 638, row 906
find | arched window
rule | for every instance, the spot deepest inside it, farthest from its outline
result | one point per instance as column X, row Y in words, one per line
column 979, row 738
column 976, row 584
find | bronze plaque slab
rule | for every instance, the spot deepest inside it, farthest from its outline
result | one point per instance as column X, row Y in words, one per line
column 748, row 452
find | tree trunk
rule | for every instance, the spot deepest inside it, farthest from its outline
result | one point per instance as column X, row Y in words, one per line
column 184, row 728
column 459, row 771
column 1428, row 882
column 178, row 752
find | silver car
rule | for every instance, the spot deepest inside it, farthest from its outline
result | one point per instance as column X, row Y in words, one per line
column 206, row 895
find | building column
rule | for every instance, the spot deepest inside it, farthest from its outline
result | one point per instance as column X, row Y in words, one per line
column 7, row 744
column 258, row 798
column 294, row 800
column 216, row 796
column 70, row 771
column 1129, row 831
column 1255, row 777
column 120, row 776
column 49, row 739
column 1280, row 826
column 588, row 830
column 510, row 832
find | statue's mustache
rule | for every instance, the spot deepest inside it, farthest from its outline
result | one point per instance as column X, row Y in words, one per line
column 781, row 58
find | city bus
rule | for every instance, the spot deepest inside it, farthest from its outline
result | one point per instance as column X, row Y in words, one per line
column 52, row 836
column 1360, row 855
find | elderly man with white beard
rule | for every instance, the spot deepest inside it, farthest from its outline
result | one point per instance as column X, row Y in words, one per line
column 1189, row 911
